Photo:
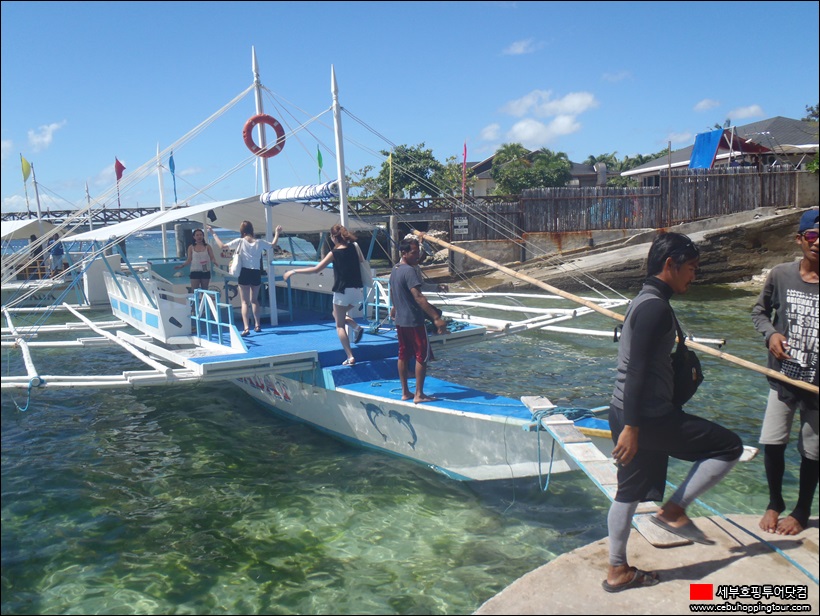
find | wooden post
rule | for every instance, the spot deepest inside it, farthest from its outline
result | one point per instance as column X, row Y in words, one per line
column 605, row 311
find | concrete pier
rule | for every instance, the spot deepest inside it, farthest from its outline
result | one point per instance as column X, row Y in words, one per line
column 747, row 566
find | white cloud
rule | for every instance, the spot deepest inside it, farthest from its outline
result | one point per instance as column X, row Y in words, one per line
column 490, row 133
column 679, row 138
column 188, row 172
column 741, row 113
column 706, row 104
column 616, row 77
column 41, row 138
column 524, row 46
column 541, row 104
column 531, row 130
column 14, row 203
column 5, row 148
column 533, row 134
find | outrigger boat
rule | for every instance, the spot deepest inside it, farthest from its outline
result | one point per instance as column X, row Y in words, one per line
column 294, row 366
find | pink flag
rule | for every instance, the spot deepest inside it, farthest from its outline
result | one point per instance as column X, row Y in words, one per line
column 118, row 168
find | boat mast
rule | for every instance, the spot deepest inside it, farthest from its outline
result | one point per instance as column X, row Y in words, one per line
column 161, row 204
column 340, row 153
column 263, row 168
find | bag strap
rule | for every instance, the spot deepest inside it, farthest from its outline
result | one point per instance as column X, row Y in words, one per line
column 681, row 335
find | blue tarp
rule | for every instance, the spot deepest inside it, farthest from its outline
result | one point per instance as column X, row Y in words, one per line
column 705, row 149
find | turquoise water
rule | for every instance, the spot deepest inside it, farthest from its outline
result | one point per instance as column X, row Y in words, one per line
column 193, row 500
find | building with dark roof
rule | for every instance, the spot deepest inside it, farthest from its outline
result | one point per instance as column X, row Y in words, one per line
column 776, row 141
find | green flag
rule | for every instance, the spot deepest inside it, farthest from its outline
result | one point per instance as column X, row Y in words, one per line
column 319, row 160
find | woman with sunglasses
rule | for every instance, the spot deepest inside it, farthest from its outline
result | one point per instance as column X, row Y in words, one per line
column 786, row 313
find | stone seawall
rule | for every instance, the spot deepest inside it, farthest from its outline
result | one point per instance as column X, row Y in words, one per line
column 733, row 249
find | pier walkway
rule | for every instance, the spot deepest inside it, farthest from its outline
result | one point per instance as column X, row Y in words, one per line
column 746, row 562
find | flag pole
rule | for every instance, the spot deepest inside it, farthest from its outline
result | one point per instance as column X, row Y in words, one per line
column 37, row 199
column 26, row 166
column 118, row 169
column 88, row 200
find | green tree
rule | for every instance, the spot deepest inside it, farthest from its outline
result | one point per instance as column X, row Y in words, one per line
column 811, row 114
column 361, row 184
column 515, row 168
column 610, row 160
column 449, row 176
column 413, row 170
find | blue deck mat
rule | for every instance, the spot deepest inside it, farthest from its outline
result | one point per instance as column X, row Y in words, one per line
column 448, row 395
column 297, row 337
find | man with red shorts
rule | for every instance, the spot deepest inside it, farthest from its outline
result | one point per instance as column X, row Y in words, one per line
column 409, row 307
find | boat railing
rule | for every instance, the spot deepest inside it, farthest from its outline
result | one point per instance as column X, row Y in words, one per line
column 212, row 320
column 377, row 304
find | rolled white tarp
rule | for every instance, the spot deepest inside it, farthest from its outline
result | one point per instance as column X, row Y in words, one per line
column 328, row 190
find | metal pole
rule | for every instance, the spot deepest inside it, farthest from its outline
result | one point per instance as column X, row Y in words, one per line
column 340, row 155
column 263, row 167
column 161, row 204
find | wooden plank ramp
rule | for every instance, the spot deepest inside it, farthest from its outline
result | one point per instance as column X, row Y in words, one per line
column 580, row 449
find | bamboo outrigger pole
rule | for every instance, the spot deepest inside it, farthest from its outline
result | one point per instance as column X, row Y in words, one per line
column 614, row 315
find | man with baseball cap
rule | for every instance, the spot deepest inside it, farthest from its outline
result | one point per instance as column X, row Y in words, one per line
column 786, row 314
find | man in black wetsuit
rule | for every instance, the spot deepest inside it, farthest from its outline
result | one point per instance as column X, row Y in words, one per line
column 648, row 425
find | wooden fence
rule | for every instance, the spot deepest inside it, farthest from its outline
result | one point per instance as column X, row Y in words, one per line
column 695, row 194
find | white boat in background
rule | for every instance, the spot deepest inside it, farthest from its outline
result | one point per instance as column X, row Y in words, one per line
column 294, row 366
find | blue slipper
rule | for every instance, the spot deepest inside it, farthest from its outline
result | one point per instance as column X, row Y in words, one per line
column 687, row 531
column 639, row 579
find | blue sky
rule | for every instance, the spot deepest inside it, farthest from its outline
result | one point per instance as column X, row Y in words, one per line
column 83, row 83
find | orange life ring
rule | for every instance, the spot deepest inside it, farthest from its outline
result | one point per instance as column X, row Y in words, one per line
column 247, row 135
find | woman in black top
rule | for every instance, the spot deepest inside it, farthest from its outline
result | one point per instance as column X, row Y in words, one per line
column 347, row 284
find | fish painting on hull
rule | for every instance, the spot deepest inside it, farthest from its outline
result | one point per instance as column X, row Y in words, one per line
column 397, row 430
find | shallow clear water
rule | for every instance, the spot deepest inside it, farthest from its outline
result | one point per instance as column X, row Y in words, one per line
column 193, row 500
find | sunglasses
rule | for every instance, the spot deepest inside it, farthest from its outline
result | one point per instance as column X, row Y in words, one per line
column 811, row 236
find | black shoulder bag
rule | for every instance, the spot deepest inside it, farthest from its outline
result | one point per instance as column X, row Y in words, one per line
column 688, row 374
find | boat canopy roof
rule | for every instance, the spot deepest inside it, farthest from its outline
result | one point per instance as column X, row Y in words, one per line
column 24, row 229
column 294, row 217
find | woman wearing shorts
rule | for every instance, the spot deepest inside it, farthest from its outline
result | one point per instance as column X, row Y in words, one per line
column 200, row 258
column 250, row 251
column 347, row 284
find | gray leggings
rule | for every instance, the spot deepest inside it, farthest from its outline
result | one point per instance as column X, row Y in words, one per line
column 704, row 475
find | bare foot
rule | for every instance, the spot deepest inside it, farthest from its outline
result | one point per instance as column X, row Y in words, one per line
column 769, row 521
column 789, row 526
column 407, row 396
column 424, row 398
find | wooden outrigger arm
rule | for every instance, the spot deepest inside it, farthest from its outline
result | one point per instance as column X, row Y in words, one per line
column 619, row 317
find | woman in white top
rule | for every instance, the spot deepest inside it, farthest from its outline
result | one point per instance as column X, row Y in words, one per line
column 250, row 277
column 200, row 257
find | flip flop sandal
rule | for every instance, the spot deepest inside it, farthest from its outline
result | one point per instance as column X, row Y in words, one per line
column 639, row 580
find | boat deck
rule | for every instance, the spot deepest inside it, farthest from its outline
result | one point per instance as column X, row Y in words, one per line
column 375, row 372
column 318, row 336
